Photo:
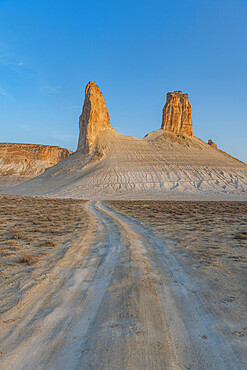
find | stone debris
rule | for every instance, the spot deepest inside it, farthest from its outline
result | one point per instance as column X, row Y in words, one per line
column 211, row 143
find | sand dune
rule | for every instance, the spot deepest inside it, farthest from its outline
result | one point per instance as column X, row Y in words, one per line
column 163, row 165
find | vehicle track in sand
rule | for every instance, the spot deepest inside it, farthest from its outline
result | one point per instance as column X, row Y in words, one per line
column 117, row 300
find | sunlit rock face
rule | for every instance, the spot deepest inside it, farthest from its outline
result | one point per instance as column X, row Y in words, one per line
column 94, row 117
column 177, row 114
column 211, row 143
column 20, row 162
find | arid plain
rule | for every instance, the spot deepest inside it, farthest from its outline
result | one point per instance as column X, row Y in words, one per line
column 128, row 254
column 132, row 285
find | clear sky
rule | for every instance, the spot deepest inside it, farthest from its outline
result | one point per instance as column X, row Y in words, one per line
column 136, row 51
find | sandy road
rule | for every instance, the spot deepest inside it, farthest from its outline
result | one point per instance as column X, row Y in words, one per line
column 117, row 300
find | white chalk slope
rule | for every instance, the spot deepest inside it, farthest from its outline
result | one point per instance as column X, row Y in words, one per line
column 163, row 165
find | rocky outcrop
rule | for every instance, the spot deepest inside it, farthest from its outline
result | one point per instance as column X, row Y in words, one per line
column 94, row 117
column 177, row 114
column 211, row 143
column 23, row 161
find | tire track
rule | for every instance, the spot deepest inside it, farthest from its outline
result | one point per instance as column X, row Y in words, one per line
column 193, row 330
column 129, row 330
column 55, row 317
column 117, row 300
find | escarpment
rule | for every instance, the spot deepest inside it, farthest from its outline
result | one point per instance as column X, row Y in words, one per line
column 20, row 162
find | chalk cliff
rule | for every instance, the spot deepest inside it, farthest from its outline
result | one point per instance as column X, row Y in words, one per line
column 177, row 114
column 169, row 163
column 19, row 162
column 94, row 117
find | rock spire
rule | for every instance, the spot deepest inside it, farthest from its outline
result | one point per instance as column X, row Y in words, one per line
column 94, row 117
column 177, row 114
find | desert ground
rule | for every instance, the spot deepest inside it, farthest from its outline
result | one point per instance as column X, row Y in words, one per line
column 122, row 284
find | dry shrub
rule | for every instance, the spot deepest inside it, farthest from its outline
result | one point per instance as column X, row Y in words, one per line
column 48, row 243
column 35, row 230
column 241, row 235
column 18, row 235
column 30, row 239
column 27, row 258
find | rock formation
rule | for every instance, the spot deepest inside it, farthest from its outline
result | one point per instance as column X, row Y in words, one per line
column 94, row 117
column 20, row 162
column 177, row 114
column 211, row 143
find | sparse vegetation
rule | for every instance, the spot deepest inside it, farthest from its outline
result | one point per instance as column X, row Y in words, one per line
column 27, row 258
column 200, row 228
column 241, row 236
column 48, row 243
column 32, row 231
column 18, row 235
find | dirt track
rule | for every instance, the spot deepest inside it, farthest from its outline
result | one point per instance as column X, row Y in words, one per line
column 119, row 299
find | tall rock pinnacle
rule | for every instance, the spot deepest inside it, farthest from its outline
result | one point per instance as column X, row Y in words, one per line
column 94, row 117
column 177, row 114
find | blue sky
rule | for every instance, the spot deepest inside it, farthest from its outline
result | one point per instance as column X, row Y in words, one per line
column 136, row 51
